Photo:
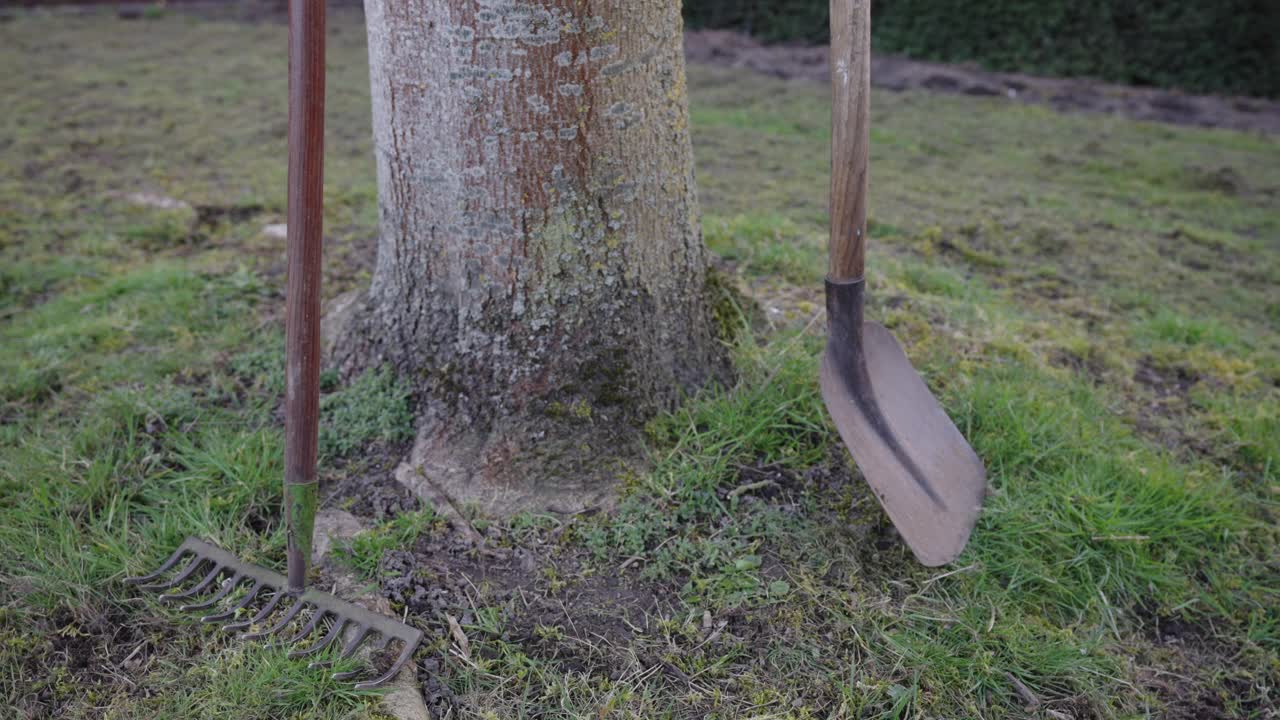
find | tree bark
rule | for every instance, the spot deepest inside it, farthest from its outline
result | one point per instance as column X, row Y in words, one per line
column 540, row 272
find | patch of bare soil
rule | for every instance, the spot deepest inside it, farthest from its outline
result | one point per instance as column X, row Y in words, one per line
column 1166, row 403
column 1090, row 365
column 552, row 605
column 1171, row 664
column 732, row 49
column 365, row 486
column 558, row 603
column 1166, row 382
column 89, row 651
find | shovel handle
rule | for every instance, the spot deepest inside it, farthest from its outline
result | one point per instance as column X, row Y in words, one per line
column 302, row 301
column 850, row 136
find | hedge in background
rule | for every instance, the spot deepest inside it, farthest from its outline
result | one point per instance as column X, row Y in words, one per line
column 1222, row 46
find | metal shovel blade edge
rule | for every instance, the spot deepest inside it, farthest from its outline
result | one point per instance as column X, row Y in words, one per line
column 919, row 465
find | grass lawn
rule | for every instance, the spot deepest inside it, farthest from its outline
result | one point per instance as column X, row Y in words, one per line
column 1096, row 301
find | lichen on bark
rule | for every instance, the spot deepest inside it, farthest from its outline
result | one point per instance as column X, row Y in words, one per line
column 539, row 245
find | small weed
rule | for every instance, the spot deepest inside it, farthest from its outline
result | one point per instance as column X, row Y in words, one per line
column 373, row 408
column 364, row 551
column 262, row 366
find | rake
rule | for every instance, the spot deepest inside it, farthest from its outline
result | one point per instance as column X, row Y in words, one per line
column 272, row 602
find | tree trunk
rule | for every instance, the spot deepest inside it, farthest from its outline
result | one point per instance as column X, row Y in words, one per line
column 540, row 273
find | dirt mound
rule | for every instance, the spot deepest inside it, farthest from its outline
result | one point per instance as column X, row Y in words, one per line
column 731, row 49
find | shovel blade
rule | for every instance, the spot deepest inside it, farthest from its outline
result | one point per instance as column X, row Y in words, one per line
column 925, row 474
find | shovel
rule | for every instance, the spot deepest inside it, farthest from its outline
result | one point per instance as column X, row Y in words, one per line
column 271, row 602
column 926, row 476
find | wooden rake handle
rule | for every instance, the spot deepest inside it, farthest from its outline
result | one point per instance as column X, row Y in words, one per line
column 850, row 136
column 302, row 303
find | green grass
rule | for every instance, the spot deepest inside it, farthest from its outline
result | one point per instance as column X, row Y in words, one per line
column 1170, row 327
column 243, row 682
column 1084, row 515
column 1087, row 530
column 1094, row 301
column 81, row 340
column 764, row 244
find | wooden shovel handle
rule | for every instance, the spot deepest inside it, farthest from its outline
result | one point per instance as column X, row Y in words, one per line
column 302, row 301
column 850, row 136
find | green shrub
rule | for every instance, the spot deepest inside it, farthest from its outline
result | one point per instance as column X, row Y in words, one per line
column 1225, row 47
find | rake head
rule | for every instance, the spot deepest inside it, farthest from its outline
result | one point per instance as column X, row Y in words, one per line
column 220, row 573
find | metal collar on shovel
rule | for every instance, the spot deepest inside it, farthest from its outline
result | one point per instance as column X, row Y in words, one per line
column 929, row 480
column 271, row 602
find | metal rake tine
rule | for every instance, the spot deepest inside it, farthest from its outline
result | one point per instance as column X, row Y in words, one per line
column 354, row 642
column 164, row 568
column 227, row 586
column 280, row 624
column 259, row 616
column 345, row 675
column 405, row 654
column 306, row 629
column 187, row 571
column 378, row 646
column 362, row 631
column 335, row 631
column 248, row 598
column 197, row 588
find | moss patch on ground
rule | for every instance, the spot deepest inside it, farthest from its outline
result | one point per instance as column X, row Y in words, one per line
column 1094, row 300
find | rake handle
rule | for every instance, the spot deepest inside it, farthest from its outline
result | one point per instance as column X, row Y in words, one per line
column 302, row 303
column 850, row 136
